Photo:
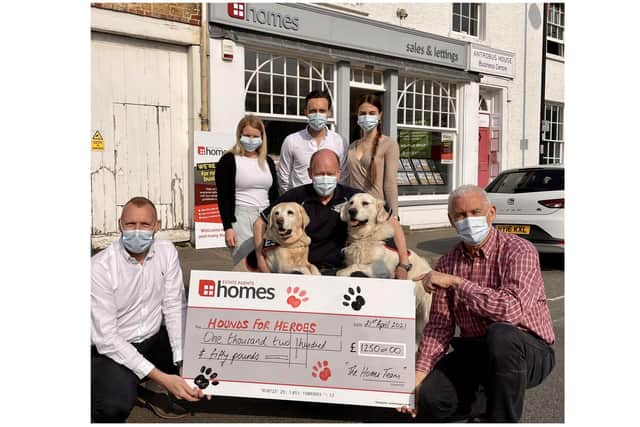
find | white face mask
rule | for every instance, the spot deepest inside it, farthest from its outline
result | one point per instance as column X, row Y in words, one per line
column 324, row 184
column 137, row 241
column 473, row 229
column 317, row 121
column 367, row 122
column 250, row 144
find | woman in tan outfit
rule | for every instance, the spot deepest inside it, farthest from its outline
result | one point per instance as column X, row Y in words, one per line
column 380, row 176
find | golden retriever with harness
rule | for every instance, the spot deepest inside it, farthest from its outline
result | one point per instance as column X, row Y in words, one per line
column 286, row 246
column 368, row 250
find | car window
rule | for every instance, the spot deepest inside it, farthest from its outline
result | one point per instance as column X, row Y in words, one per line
column 507, row 182
column 528, row 181
column 544, row 180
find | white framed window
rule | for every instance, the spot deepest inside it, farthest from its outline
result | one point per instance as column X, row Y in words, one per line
column 426, row 135
column 367, row 78
column 466, row 18
column 426, row 103
column 276, row 85
column 555, row 28
column 552, row 145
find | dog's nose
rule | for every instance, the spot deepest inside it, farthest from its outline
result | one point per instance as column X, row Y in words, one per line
column 353, row 212
column 280, row 221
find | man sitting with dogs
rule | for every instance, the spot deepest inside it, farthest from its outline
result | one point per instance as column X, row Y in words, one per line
column 323, row 200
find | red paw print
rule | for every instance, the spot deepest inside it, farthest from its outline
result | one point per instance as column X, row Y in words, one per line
column 321, row 369
column 296, row 296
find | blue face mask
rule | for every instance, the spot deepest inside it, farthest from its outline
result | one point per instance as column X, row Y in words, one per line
column 137, row 241
column 250, row 144
column 317, row 121
column 367, row 122
column 473, row 229
column 324, row 184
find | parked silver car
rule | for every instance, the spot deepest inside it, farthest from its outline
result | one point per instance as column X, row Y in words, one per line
column 530, row 203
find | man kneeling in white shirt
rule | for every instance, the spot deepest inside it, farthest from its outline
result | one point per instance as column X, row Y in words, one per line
column 136, row 283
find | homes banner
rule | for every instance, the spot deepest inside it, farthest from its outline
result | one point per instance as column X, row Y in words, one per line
column 208, row 147
column 309, row 338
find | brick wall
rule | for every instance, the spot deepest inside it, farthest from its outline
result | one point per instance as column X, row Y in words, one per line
column 188, row 13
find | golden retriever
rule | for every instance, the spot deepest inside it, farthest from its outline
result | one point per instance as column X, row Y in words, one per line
column 287, row 248
column 366, row 252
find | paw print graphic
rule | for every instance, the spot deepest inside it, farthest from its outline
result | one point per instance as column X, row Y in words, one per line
column 321, row 370
column 202, row 380
column 296, row 296
column 356, row 301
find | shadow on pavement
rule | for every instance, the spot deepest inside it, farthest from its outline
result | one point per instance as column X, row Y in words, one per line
column 305, row 411
column 438, row 246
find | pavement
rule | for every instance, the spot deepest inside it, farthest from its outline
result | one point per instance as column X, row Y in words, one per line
column 543, row 404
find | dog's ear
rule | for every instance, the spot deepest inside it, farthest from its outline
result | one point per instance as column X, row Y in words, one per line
column 271, row 216
column 304, row 216
column 344, row 212
column 382, row 214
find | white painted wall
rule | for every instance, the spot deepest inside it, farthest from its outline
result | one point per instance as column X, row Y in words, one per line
column 226, row 85
column 429, row 216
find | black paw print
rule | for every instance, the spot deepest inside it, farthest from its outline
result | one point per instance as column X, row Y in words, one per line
column 202, row 381
column 357, row 302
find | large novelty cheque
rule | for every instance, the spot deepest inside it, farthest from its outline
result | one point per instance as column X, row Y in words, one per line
column 293, row 337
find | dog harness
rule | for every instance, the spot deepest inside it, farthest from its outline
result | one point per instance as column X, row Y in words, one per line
column 251, row 261
column 391, row 245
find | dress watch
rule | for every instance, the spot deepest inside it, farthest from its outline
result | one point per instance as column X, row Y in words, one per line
column 405, row 266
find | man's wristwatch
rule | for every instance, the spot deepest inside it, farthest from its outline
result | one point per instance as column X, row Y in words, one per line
column 405, row 266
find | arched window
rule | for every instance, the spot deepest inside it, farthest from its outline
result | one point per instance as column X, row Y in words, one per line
column 426, row 135
column 427, row 103
column 276, row 85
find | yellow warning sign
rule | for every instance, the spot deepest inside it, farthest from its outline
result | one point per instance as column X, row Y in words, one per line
column 97, row 142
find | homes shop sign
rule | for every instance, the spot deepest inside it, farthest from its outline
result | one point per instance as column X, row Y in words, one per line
column 314, row 24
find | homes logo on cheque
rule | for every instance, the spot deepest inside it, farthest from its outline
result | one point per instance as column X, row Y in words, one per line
column 213, row 289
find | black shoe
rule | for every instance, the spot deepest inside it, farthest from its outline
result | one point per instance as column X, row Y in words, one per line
column 163, row 405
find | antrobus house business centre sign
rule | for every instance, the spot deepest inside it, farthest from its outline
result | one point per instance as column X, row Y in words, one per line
column 491, row 61
column 314, row 24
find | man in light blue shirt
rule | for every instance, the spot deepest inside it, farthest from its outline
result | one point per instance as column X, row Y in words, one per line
column 298, row 147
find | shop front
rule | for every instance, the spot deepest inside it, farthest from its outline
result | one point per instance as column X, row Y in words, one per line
column 265, row 58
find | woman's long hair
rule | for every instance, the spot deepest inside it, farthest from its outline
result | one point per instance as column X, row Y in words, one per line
column 256, row 123
column 374, row 100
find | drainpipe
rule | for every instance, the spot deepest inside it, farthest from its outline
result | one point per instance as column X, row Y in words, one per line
column 204, row 67
column 543, row 90
column 524, row 92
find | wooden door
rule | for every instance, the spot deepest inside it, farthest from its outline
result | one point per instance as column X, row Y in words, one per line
column 139, row 103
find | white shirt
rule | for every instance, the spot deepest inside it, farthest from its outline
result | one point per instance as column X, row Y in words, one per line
column 252, row 182
column 129, row 300
column 296, row 153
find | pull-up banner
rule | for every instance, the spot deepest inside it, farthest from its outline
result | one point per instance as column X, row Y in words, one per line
column 208, row 147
